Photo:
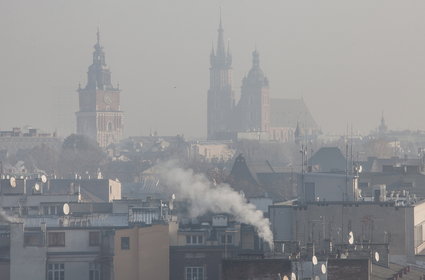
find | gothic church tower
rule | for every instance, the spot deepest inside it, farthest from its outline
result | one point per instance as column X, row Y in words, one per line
column 221, row 99
column 100, row 116
column 254, row 105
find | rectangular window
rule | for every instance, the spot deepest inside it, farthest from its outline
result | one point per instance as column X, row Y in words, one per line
column 56, row 271
column 125, row 243
column 226, row 239
column 94, row 271
column 194, row 239
column 194, row 273
column 56, row 239
column 34, row 239
column 94, row 238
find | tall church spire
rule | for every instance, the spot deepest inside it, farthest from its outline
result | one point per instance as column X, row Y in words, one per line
column 221, row 52
column 221, row 58
column 221, row 99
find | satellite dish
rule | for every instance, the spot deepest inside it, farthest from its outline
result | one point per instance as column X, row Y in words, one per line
column 12, row 182
column 314, row 260
column 43, row 178
column 293, row 276
column 37, row 187
column 285, row 278
column 66, row 208
column 376, row 256
column 351, row 238
column 173, row 196
column 323, row 269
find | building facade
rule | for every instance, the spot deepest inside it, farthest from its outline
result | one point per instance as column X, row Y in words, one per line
column 142, row 253
column 100, row 116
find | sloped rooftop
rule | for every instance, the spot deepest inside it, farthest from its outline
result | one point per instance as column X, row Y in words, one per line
column 288, row 112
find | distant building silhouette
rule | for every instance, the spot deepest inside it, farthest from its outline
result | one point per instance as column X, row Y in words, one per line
column 221, row 98
column 382, row 129
column 291, row 120
column 256, row 115
column 100, row 116
column 254, row 106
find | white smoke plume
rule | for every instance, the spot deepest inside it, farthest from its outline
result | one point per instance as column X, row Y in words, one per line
column 205, row 197
column 6, row 218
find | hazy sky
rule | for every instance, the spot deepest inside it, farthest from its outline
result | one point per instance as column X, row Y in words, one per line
column 349, row 60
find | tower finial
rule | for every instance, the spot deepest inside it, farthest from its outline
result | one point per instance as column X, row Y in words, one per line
column 255, row 58
column 221, row 49
column 221, row 25
column 98, row 34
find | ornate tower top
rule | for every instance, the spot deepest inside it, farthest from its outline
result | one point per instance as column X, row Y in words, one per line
column 99, row 75
column 256, row 75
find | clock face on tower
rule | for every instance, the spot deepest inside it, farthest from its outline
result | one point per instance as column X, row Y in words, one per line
column 107, row 99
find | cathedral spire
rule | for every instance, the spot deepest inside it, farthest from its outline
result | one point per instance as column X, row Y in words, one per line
column 221, row 57
column 221, row 53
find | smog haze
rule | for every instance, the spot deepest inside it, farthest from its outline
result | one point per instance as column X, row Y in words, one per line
column 350, row 61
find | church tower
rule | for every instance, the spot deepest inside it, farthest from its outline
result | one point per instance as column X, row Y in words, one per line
column 221, row 98
column 100, row 116
column 254, row 105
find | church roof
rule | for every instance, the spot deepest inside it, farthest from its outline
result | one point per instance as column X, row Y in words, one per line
column 288, row 112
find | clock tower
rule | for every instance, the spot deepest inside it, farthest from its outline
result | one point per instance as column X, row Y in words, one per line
column 100, row 116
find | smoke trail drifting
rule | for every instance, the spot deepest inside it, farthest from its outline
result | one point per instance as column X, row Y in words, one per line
column 204, row 197
column 6, row 218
